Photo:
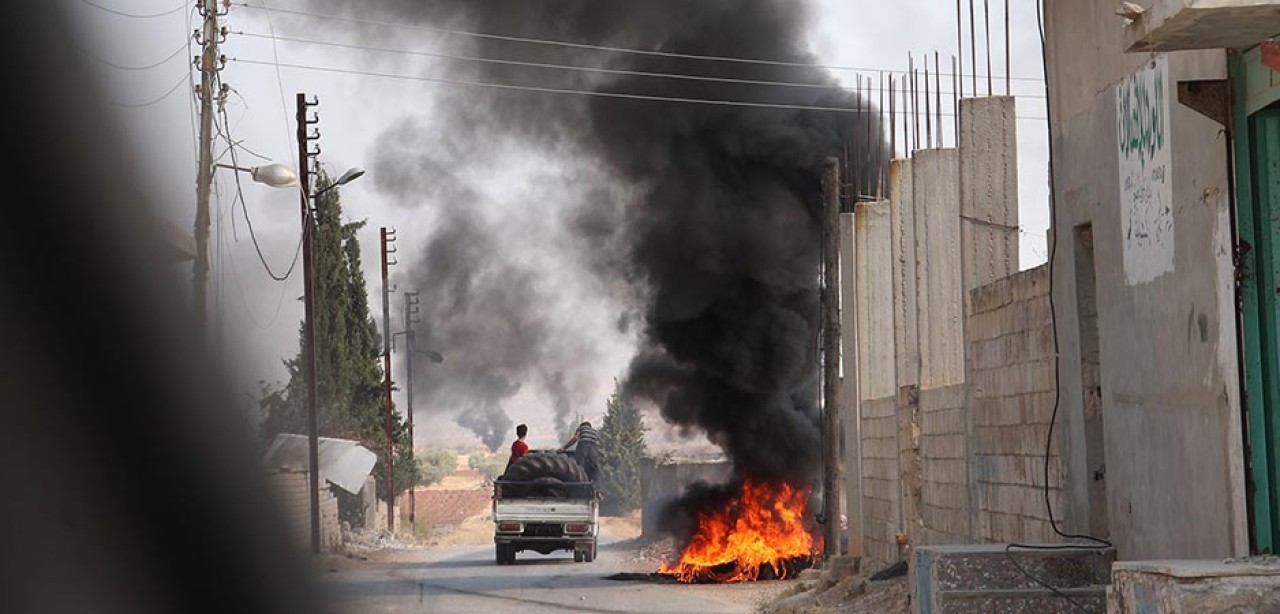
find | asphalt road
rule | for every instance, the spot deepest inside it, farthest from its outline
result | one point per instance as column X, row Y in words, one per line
column 465, row 579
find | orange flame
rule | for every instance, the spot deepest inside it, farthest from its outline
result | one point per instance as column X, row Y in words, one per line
column 764, row 526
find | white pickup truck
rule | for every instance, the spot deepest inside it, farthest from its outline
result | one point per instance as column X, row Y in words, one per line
column 545, row 504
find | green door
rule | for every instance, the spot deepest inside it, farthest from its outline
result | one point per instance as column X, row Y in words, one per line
column 1257, row 152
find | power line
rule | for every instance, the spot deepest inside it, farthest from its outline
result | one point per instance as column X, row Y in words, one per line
column 156, row 100
column 541, row 41
column 552, row 90
column 284, row 107
column 235, row 276
column 134, row 15
column 553, row 66
column 245, row 209
column 106, row 62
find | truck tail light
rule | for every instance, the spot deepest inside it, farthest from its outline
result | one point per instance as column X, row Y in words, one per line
column 577, row 528
column 510, row 527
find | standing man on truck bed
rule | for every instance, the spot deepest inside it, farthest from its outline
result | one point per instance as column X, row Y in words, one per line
column 587, row 453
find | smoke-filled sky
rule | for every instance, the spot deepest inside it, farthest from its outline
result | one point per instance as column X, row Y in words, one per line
column 542, row 289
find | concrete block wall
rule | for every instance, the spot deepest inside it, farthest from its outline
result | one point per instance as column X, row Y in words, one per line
column 291, row 488
column 880, row 485
column 944, row 492
column 1011, row 396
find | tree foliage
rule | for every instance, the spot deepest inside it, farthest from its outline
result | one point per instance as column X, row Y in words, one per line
column 489, row 465
column 434, row 464
column 622, row 450
column 349, row 386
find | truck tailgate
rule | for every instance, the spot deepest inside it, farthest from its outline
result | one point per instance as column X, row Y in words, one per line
column 542, row 510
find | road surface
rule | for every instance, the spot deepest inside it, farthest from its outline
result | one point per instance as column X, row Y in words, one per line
column 465, row 580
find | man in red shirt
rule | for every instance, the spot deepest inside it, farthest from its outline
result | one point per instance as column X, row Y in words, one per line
column 519, row 447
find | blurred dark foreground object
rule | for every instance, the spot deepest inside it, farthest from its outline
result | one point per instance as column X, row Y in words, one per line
column 130, row 483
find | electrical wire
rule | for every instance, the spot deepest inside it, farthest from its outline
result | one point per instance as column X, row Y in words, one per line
column 549, row 42
column 284, row 105
column 134, row 15
column 245, row 211
column 148, row 103
column 191, row 100
column 93, row 56
column 240, row 287
column 554, row 66
column 568, row 91
column 1097, row 542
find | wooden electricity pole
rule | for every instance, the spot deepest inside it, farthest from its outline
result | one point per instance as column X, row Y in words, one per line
column 831, row 355
column 204, row 172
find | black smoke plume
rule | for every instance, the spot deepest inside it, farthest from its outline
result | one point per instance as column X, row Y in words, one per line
column 710, row 236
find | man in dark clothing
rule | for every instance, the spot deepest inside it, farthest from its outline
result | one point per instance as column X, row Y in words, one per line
column 587, row 453
column 519, row 447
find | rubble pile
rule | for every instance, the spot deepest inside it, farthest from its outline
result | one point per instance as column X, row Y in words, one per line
column 841, row 586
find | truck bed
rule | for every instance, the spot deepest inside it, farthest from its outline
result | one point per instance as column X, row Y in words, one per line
column 543, row 510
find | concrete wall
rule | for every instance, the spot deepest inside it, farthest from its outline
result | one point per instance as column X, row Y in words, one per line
column 988, row 188
column 880, row 488
column 1169, row 385
column 1011, row 398
column 877, row 386
column 939, row 294
column 903, row 236
column 944, row 495
column 662, row 483
column 291, row 488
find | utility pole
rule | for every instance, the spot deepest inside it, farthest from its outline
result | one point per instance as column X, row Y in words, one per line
column 208, row 64
column 410, row 318
column 313, row 439
column 831, row 356
column 388, row 237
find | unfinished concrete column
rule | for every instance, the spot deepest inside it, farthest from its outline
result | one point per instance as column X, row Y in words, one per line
column 877, row 380
column 939, row 293
column 850, row 363
column 906, row 345
column 944, row 492
column 988, row 189
column 988, row 225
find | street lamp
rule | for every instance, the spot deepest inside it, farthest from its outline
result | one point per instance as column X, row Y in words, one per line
column 351, row 175
column 274, row 175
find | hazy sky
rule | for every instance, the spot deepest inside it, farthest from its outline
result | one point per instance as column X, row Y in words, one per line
column 260, row 317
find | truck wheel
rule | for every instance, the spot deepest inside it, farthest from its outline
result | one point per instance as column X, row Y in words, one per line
column 500, row 554
column 579, row 556
column 545, row 465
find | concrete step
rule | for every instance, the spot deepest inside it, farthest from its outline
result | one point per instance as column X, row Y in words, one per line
column 1015, row 601
column 993, row 578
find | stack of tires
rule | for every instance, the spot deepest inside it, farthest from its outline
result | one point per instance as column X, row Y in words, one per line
column 543, row 474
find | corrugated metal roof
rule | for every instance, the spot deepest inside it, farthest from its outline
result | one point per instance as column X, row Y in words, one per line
column 343, row 462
